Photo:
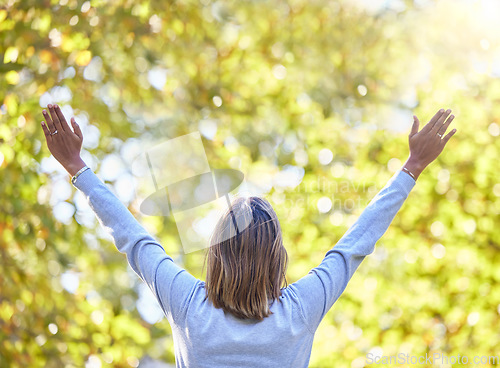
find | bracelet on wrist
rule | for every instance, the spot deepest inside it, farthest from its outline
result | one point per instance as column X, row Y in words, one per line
column 409, row 173
column 73, row 179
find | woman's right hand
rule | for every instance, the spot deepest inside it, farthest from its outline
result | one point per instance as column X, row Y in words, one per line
column 426, row 145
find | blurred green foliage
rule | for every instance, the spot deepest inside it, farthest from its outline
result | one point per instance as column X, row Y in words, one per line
column 281, row 81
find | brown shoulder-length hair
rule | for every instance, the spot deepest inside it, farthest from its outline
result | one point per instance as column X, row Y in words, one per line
column 247, row 261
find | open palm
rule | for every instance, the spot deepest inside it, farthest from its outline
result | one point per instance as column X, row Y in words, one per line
column 64, row 144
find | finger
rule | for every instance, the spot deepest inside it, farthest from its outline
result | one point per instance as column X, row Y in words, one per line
column 435, row 118
column 48, row 119
column 448, row 136
column 55, row 118
column 414, row 127
column 440, row 121
column 445, row 126
column 46, row 131
column 76, row 128
column 62, row 119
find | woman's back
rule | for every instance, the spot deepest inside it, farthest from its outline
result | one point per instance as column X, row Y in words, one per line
column 205, row 336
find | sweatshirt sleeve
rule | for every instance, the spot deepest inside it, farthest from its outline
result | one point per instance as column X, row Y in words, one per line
column 323, row 285
column 169, row 283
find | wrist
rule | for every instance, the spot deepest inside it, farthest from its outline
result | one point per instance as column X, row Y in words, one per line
column 74, row 166
column 414, row 167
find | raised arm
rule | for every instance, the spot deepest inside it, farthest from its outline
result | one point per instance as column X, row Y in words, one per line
column 323, row 285
column 144, row 254
column 65, row 145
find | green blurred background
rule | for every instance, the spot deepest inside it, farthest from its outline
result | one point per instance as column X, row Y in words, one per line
column 313, row 101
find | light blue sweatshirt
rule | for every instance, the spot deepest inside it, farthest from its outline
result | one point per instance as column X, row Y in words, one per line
column 205, row 336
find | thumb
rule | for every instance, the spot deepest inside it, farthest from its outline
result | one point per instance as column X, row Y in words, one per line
column 76, row 128
column 414, row 127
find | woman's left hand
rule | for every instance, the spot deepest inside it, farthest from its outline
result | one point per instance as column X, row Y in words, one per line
column 64, row 144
